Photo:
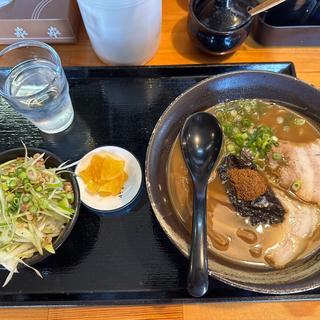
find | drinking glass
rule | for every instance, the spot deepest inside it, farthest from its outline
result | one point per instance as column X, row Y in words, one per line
column 35, row 85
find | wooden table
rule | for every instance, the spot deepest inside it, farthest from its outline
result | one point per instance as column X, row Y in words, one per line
column 175, row 48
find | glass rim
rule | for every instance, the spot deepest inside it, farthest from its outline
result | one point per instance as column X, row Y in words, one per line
column 39, row 44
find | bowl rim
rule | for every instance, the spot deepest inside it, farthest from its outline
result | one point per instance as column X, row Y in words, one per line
column 166, row 228
column 58, row 241
column 196, row 19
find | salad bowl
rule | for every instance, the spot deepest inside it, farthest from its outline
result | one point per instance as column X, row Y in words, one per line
column 51, row 161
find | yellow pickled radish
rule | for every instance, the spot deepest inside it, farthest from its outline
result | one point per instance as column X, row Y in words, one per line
column 105, row 175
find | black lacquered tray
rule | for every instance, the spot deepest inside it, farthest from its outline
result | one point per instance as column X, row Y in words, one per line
column 124, row 258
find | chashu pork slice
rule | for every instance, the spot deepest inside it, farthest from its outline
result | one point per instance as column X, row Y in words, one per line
column 301, row 222
column 302, row 163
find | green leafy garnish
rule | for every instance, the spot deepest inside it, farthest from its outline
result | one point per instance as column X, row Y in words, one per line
column 34, row 207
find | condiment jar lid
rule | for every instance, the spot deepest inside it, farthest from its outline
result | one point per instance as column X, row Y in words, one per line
column 223, row 15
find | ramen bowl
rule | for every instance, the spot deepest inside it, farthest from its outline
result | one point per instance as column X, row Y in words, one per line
column 300, row 276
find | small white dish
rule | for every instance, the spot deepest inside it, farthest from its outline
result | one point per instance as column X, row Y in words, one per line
column 131, row 186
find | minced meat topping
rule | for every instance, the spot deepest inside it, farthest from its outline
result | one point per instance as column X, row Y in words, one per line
column 249, row 184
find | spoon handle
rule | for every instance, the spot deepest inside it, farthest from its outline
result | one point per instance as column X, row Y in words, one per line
column 198, row 268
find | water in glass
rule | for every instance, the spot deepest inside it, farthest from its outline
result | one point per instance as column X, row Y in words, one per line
column 37, row 86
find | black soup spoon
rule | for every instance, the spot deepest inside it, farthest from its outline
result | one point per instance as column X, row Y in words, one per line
column 201, row 141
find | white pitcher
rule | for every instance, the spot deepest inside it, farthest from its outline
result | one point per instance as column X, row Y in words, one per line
column 123, row 32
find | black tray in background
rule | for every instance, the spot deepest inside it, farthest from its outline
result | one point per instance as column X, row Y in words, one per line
column 270, row 35
column 125, row 258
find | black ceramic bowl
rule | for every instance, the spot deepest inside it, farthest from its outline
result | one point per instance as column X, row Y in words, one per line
column 212, row 41
column 52, row 162
column 300, row 276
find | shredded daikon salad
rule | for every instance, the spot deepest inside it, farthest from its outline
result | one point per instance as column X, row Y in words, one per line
column 35, row 205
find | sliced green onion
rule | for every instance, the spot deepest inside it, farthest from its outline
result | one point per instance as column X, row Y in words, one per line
column 70, row 197
column 3, row 206
column 296, row 185
column 39, row 188
column 20, row 170
column 66, row 210
column 239, row 140
column 10, row 197
column 64, row 203
column 57, row 184
column 22, row 175
column 15, row 201
column 26, row 199
column 230, row 147
column 227, row 128
column 12, row 183
column 33, row 209
column 299, row 121
column 43, row 203
column 17, row 193
column 27, row 187
column 259, row 142
column 244, row 136
column 276, row 156
column 60, row 211
column 49, row 247
column 246, row 123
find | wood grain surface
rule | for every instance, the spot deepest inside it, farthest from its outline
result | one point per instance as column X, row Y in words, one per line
column 176, row 48
column 221, row 311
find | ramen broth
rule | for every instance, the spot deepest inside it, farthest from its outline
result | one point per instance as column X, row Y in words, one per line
column 229, row 234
